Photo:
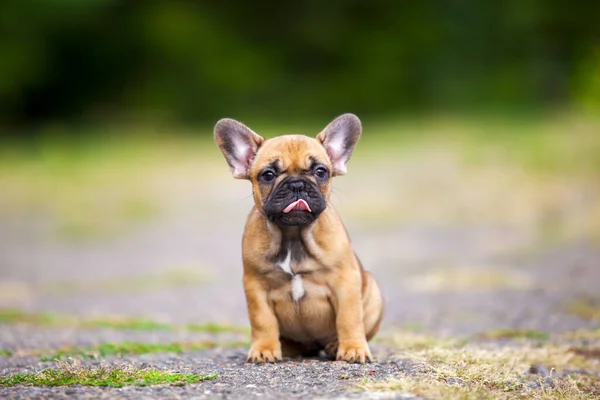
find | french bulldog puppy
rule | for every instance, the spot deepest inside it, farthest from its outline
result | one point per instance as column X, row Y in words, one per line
column 306, row 290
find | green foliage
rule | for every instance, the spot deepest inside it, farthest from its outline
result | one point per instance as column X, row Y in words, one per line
column 107, row 377
column 5, row 353
column 132, row 324
column 212, row 327
column 134, row 348
column 116, row 349
column 509, row 333
column 13, row 316
column 189, row 61
column 587, row 308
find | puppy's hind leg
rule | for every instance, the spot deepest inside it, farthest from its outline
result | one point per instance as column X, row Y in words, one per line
column 372, row 306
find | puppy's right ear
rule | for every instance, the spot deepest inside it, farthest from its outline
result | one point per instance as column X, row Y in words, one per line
column 239, row 145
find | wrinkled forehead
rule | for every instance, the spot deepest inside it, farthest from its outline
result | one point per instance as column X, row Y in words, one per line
column 291, row 153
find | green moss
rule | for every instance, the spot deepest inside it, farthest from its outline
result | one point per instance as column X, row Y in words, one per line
column 585, row 308
column 212, row 327
column 132, row 324
column 11, row 316
column 583, row 335
column 135, row 348
column 508, row 333
column 5, row 353
column 136, row 324
column 115, row 377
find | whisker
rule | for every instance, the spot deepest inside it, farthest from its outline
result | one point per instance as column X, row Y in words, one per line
column 336, row 195
column 337, row 189
column 328, row 205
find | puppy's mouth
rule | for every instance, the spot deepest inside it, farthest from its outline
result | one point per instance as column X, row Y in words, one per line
column 294, row 202
column 298, row 205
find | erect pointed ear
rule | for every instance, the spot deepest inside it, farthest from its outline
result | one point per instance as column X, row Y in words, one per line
column 239, row 145
column 339, row 139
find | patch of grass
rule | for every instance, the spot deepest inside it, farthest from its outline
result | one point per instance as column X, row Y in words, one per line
column 470, row 372
column 585, row 308
column 575, row 387
column 5, row 353
column 585, row 335
column 508, row 333
column 116, row 349
column 69, row 375
column 135, row 348
column 11, row 316
column 129, row 324
column 212, row 327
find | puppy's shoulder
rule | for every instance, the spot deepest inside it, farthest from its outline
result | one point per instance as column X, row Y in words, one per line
column 256, row 240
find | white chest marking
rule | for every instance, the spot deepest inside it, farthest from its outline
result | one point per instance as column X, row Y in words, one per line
column 286, row 265
column 297, row 288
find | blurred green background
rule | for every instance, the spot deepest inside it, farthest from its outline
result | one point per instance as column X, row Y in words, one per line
column 187, row 62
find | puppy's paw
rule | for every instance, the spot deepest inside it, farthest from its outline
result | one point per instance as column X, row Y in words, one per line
column 354, row 352
column 264, row 352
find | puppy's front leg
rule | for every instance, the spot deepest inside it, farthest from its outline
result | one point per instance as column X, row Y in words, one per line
column 265, row 328
column 352, row 342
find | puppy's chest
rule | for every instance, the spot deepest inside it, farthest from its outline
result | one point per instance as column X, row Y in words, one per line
column 295, row 276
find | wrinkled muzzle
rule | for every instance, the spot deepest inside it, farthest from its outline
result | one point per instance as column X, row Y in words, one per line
column 294, row 201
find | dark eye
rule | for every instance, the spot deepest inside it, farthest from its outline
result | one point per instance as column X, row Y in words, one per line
column 321, row 172
column 267, row 176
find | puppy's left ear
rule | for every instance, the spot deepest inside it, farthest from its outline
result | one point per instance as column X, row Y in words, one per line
column 239, row 145
column 339, row 139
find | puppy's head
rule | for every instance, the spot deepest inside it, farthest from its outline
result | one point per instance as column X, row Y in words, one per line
column 290, row 174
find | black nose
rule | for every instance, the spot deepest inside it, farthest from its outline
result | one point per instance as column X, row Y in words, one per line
column 296, row 185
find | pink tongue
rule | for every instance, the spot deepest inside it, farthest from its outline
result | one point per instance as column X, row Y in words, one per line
column 298, row 205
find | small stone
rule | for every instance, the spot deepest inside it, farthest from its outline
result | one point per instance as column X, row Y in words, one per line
column 454, row 381
column 539, row 370
column 532, row 385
